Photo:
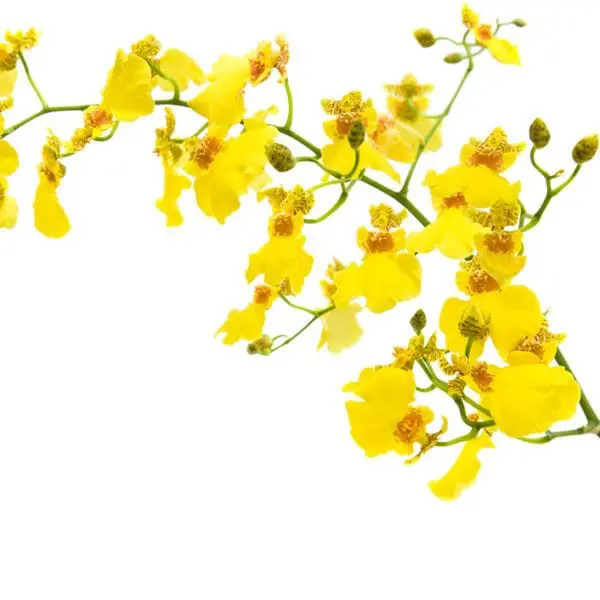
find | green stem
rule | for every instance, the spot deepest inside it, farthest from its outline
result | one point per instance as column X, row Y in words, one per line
column 290, row 101
column 551, row 435
column 586, row 407
column 297, row 306
column 297, row 137
column 44, row 111
column 316, row 317
column 109, row 135
column 340, row 202
column 469, row 346
column 439, row 120
column 200, row 130
column 31, row 81
column 156, row 69
column 427, row 389
column 316, row 161
column 355, row 165
column 459, row 440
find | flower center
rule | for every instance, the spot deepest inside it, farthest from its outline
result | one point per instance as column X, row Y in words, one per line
column 262, row 294
column 379, row 242
column 410, row 428
column 481, row 282
column 484, row 33
column 500, row 243
column 206, row 150
column 281, row 225
column 482, row 377
column 456, row 201
column 488, row 157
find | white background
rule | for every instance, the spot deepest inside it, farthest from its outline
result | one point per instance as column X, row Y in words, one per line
column 139, row 458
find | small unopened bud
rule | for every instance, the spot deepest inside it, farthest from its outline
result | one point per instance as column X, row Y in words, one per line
column 473, row 324
column 539, row 134
column 520, row 22
column 418, row 321
column 453, row 58
column 356, row 135
column 280, row 157
column 261, row 346
column 424, row 37
column 585, row 149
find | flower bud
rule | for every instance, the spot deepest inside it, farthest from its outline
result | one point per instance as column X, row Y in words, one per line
column 418, row 321
column 280, row 157
column 453, row 58
column 424, row 37
column 356, row 135
column 539, row 134
column 519, row 22
column 261, row 346
column 585, row 149
column 473, row 324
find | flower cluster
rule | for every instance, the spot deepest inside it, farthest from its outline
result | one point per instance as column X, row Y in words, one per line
column 493, row 356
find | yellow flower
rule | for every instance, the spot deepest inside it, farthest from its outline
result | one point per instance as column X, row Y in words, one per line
column 498, row 253
column 514, row 313
column 225, row 169
column 128, row 91
column 222, row 100
column 529, row 399
column 453, row 233
column 387, row 275
column 340, row 328
column 399, row 134
column 495, row 152
column 7, row 81
column 283, row 256
column 386, row 421
column 479, row 186
column 464, row 471
column 9, row 159
column 49, row 216
column 339, row 155
column 180, row 67
column 247, row 324
column 539, row 348
column 265, row 58
column 502, row 50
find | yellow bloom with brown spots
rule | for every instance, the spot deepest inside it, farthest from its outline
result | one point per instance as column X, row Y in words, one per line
column 499, row 253
column 494, row 152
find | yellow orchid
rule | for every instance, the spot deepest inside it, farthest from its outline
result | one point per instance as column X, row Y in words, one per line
column 49, row 216
column 502, row 50
column 339, row 155
column 509, row 314
column 265, row 59
column 387, row 274
column 499, row 253
column 247, row 324
column 464, row 471
column 283, row 256
column 528, row 399
column 539, row 348
column 399, row 134
column 175, row 182
column 128, row 91
column 225, row 169
column 494, row 152
column 181, row 68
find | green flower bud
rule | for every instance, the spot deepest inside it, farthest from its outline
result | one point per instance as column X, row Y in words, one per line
column 585, row 149
column 9, row 62
column 424, row 37
column 280, row 157
column 356, row 135
column 418, row 321
column 520, row 22
column 474, row 324
column 539, row 134
column 261, row 346
column 453, row 58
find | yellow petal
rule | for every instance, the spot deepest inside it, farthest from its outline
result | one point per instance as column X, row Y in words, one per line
column 464, row 471
column 384, row 385
column 340, row 328
column 503, row 51
column 180, row 67
column 451, row 314
column 528, row 399
column 49, row 216
column 246, row 324
column 7, row 82
column 128, row 91
column 372, row 426
column 9, row 211
column 174, row 184
column 9, row 159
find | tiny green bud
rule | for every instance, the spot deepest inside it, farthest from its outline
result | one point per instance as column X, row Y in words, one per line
column 280, row 157
column 585, row 149
column 474, row 324
column 453, row 58
column 356, row 135
column 539, row 134
column 261, row 346
column 424, row 37
column 418, row 321
column 520, row 22
column 8, row 62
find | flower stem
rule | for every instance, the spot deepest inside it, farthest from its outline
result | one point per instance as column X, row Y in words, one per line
column 297, row 137
column 297, row 306
column 290, row 101
column 156, row 69
column 316, row 317
column 31, row 81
